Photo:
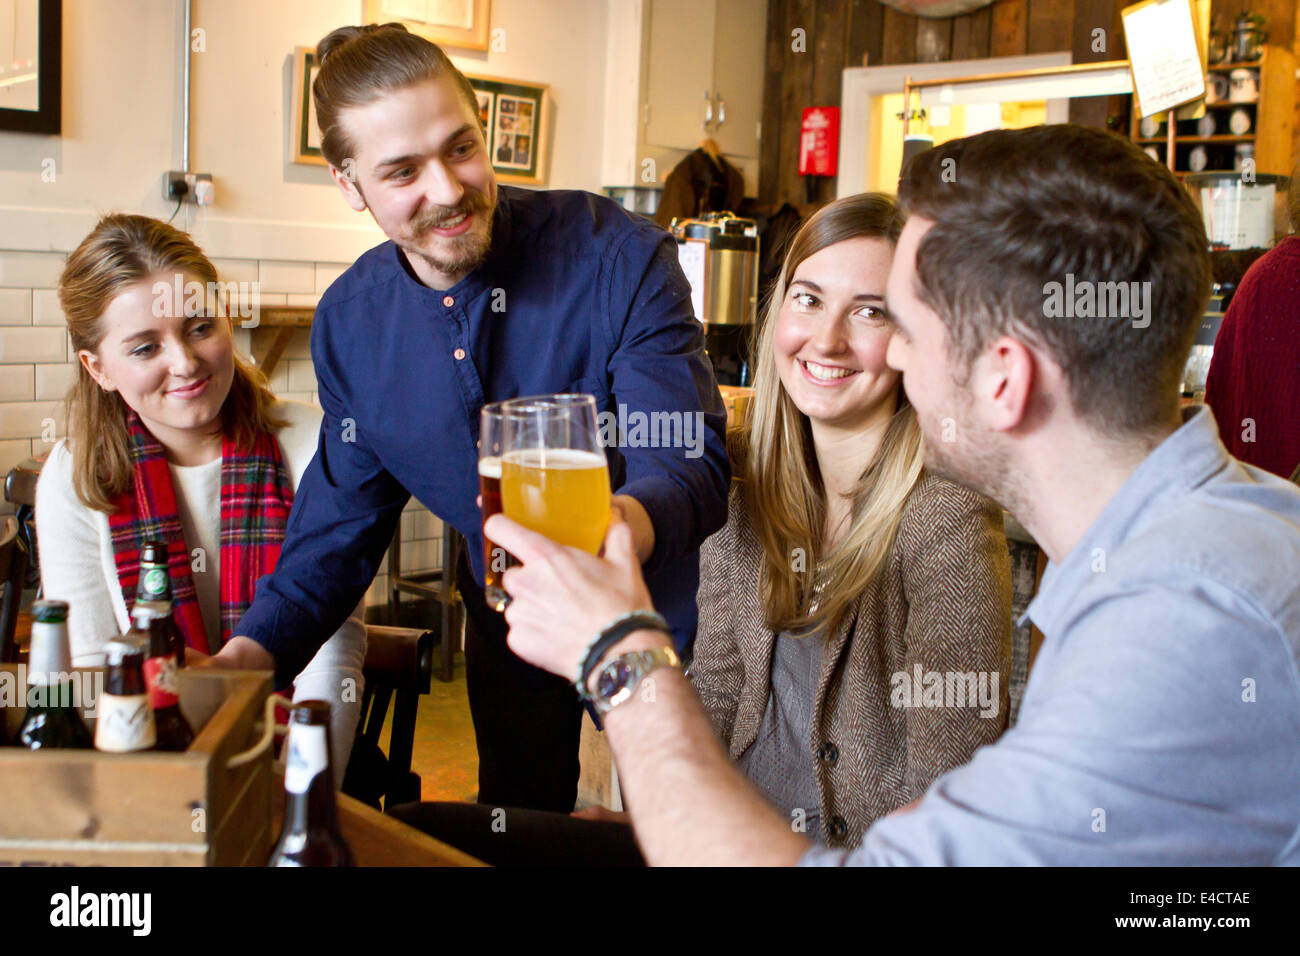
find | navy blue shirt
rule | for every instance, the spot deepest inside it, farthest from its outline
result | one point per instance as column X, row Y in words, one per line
column 576, row 295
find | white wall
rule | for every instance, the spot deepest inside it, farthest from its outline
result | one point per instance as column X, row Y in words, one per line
column 275, row 222
column 122, row 121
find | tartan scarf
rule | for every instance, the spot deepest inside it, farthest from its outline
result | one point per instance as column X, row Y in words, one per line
column 256, row 497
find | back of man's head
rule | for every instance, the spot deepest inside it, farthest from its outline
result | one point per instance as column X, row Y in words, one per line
column 1074, row 241
column 358, row 65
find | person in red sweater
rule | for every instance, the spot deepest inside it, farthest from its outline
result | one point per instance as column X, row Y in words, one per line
column 1253, row 386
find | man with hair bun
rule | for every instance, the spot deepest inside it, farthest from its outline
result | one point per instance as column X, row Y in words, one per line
column 482, row 293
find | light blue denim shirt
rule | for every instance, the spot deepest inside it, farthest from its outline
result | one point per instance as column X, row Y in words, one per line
column 1161, row 721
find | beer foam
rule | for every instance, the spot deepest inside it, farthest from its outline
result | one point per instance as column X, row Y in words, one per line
column 489, row 467
column 568, row 459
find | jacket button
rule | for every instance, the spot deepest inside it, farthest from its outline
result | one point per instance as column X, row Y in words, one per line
column 837, row 828
column 828, row 753
column 459, row 354
column 448, row 301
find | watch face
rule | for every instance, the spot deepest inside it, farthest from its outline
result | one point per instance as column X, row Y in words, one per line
column 613, row 679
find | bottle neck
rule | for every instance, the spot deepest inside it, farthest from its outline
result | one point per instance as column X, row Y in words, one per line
column 309, row 781
column 125, row 679
column 49, row 660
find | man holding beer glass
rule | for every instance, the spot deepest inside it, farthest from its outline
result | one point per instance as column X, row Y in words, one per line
column 540, row 461
column 483, row 294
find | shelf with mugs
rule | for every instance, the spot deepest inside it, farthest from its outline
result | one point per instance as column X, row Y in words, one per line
column 1250, row 138
column 1248, row 115
column 1201, row 155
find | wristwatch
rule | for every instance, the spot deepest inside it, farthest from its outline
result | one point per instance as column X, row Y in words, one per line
column 620, row 678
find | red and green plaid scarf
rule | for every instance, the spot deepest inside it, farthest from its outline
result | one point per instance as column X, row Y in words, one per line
column 256, row 497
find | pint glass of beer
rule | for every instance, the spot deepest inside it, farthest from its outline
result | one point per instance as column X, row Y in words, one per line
column 554, row 479
column 495, row 558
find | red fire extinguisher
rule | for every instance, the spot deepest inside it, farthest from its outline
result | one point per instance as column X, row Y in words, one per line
column 819, row 144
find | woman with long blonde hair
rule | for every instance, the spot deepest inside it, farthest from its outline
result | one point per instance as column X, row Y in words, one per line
column 849, row 592
column 848, row 582
column 172, row 436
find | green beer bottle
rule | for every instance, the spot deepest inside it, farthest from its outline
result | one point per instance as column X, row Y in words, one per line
column 52, row 721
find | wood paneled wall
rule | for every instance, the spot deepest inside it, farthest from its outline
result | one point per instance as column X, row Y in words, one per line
column 845, row 33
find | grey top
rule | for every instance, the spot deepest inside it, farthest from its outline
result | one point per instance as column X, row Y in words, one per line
column 1161, row 722
column 780, row 761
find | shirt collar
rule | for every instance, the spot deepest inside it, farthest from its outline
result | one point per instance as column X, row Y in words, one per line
column 1180, row 463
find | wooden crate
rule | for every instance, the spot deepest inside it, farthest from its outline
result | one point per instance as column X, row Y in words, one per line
column 87, row 808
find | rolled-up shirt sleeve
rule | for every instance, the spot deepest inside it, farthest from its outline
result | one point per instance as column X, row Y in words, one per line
column 344, row 514
column 677, row 465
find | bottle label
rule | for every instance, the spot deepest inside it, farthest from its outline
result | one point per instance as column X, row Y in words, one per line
column 161, row 677
column 125, row 724
column 308, row 756
column 154, row 580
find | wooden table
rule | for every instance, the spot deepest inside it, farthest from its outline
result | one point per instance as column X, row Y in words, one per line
column 379, row 840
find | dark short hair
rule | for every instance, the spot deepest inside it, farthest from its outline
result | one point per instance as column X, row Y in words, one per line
column 1014, row 210
column 358, row 65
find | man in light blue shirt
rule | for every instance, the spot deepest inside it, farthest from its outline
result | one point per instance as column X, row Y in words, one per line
column 1161, row 723
column 1045, row 293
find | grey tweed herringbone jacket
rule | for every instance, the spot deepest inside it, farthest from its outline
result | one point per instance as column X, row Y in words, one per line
column 942, row 601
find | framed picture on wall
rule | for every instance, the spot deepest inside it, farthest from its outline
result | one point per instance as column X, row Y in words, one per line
column 31, row 92
column 457, row 23
column 304, row 134
column 513, row 114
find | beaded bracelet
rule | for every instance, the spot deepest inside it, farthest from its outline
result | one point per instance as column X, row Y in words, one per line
column 614, row 632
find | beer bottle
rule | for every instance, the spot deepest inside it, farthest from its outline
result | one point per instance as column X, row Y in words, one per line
column 52, row 720
column 311, row 834
column 125, row 721
column 155, row 587
column 149, row 620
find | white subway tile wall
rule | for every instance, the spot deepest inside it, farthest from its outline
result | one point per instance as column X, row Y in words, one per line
column 15, row 306
column 37, row 367
column 287, row 276
column 46, row 309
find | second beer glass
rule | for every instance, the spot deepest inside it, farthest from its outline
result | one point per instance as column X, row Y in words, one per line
column 495, row 559
column 554, row 479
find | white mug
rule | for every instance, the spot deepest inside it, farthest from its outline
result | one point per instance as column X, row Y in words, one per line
column 1244, row 86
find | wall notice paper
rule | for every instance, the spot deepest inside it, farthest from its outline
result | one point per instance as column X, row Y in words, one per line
column 1237, row 215
column 692, row 254
column 1163, row 55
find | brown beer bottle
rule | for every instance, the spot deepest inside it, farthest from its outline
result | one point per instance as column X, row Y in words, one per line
column 125, row 719
column 311, row 835
column 155, row 587
column 161, row 675
column 154, row 626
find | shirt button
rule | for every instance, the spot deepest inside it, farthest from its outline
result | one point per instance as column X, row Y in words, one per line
column 459, row 353
column 838, row 828
column 448, row 301
column 828, row 753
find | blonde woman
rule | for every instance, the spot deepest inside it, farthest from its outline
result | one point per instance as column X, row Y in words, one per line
column 847, row 580
column 171, row 435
